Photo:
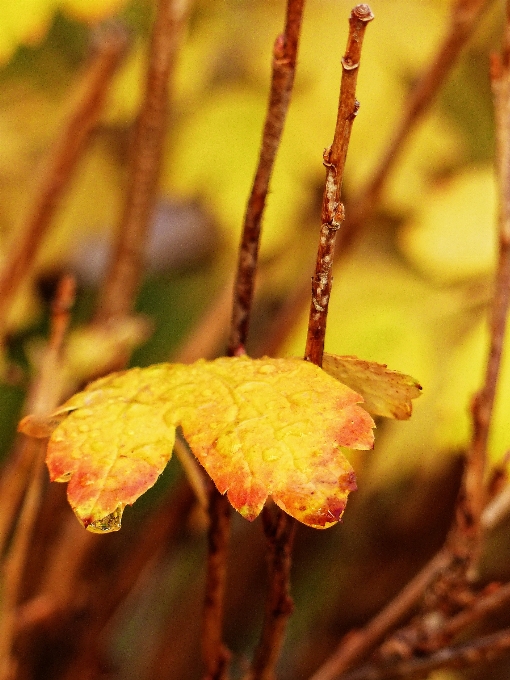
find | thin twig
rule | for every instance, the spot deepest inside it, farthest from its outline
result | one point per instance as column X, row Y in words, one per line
column 474, row 492
column 109, row 48
column 358, row 643
column 280, row 530
column 127, row 261
column 216, row 656
column 465, row 535
column 282, row 80
column 44, row 398
column 464, row 18
column 332, row 207
column 459, row 656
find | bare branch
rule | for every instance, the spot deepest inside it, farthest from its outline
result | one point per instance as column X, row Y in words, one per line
column 68, row 149
column 284, row 66
column 358, row 643
column 44, row 398
column 216, row 655
column 459, row 656
column 332, row 208
column 474, row 492
column 280, row 530
column 127, row 261
column 464, row 18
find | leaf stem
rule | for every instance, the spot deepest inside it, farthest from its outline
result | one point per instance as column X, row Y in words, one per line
column 282, row 79
column 332, row 208
column 127, row 260
column 109, row 47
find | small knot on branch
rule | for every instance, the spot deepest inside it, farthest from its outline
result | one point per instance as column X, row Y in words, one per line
column 362, row 12
column 348, row 64
column 279, row 48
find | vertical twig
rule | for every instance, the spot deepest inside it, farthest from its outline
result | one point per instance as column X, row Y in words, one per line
column 44, row 398
column 332, row 208
column 216, row 656
column 463, row 21
column 282, row 79
column 464, row 18
column 474, row 491
column 127, row 261
column 284, row 63
column 109, row 48
column 280, row 530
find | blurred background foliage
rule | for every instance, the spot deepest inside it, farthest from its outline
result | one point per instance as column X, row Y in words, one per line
column 412, row 292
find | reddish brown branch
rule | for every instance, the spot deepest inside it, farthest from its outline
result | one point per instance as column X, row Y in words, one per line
column 358, row 643
column 280, row 530
column 284, row 66
column 67, row 151
column 45, row 397
column 460, row 656
column 127, row 262
column 216, row 655
column 332, row 208
column 467, row 535
column 463, row 20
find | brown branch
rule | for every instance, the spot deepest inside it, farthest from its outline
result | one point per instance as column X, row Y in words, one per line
column 332, row 208
column 68, row 149
column 282, row 80
column 463, row 21
column 464, row 18
column 467, row 534
column 216, row 656
column 280, row 530
column 459, row 656
column 358, row 643
column 44, row 398
column 127, row 261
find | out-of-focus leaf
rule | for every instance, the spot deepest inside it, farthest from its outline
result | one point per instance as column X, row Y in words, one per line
column 259, row 427
column 453, row 235
column 385, row 393
column 27, row 22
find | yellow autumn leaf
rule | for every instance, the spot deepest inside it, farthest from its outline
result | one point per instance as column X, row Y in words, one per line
column 259, row 427
column 385, row 393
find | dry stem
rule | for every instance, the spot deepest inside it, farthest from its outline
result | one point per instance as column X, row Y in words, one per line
column 464, row 17
column 358, row 643
column 127, row 262
column 216, row 655
column 468, row 532
column 332, row 208
column 67, row 151
column 458, row 656
column 464, row 541
column 44, row 398
column 280, row 530
column 284, row 66
column 463, row 20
